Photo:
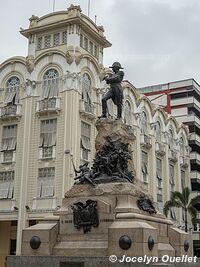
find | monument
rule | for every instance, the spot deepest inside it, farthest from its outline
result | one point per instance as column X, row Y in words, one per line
column 107, row 211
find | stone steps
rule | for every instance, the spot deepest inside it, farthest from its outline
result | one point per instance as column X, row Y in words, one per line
column 165, row 249
column 81, row 248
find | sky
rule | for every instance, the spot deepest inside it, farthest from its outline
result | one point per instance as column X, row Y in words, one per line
column 156, row 41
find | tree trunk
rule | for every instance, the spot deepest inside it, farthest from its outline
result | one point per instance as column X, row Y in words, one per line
column 186, row 222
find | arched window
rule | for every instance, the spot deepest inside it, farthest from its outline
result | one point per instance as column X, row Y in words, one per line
column 127, row 113
column 12, row 90
column 144, row 125
column 182, row 147
column 86, row 88
column 158, row 131
column 50, row 83
column 171, row 139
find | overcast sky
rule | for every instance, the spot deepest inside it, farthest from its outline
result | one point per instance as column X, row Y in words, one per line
column 156, row 41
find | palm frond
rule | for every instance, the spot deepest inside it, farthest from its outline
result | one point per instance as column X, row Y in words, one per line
column 193, row 213
column 168, row 204
column 195, row 200
column 178, row 198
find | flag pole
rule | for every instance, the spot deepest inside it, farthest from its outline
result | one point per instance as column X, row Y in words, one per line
column 54, row 4
column 88, row 8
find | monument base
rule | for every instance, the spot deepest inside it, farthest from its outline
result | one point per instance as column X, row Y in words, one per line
column 121, row 228
column 115, row 218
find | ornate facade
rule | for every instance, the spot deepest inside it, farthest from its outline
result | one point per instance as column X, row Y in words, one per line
column 48, row 105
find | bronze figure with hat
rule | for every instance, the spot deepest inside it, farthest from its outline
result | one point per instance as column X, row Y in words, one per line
column 115, row 93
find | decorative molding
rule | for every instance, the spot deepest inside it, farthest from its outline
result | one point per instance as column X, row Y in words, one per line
column 72, row 80
column 30, row 63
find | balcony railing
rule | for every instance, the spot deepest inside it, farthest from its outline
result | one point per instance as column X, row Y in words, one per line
column 145, row 141
column 7, row 157
column 160, row 149
column 48, row 105
column 86, row 109
column 10, row 112
column 173, row 155
column 47, row 152
column 184, row 161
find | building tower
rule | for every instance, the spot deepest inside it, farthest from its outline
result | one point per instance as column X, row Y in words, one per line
column 49, row 101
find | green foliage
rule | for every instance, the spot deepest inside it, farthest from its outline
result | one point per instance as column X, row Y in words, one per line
column 183, row 200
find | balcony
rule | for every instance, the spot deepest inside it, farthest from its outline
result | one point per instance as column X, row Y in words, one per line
column 7, row 205
column 48, row 106
column 145, row 141
column 86, row 109
column 195, row 175
column 160, row 149
column 11, row 112
column 195, row 156
column 7, row 157
column 184, row 161
column 172, row 156
column 47, row 153
column 44, row 203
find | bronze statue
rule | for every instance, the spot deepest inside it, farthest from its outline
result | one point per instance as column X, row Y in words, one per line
column 115, row 91
column 85, row 174
column 110, row 165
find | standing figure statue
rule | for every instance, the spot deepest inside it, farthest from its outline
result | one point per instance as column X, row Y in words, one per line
column 115, row 91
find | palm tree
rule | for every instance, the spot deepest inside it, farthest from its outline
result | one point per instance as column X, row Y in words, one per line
column 183, row 200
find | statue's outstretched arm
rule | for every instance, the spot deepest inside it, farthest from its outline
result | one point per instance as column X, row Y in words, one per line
column 115, row 78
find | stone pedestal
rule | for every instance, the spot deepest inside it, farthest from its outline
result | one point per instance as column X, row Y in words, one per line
column 105, row 219
column 119, row 216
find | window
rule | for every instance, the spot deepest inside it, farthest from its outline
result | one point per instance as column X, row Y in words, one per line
column 85, row 140
column 171, row 140
column 171, row 178
column 158, row 131
column 46, row 182
column 81, row 40
column 96, row 51
column 64, row 37
column 86, row 43
column 39, row 43
column 50, row 84
column 144, row 167
column 86, row 92
column 6, row 184
column 159, row 179
column 9, row 142
column 127, row 113
column 47, row 41
column 12, row 91
column 144, row 127
column 48, row 137
column 56, row 39
column 91, row 48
